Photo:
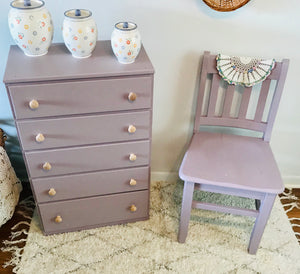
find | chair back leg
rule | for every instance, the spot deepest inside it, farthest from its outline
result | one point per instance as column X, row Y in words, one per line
column 186, row 208
column 257, row 204
column 261, row 221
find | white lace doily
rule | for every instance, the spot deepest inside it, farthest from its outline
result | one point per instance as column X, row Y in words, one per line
column 244, row 71
column 10, row 188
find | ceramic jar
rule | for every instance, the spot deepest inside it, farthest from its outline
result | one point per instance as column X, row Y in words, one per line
column 31, row 26
column 126, row 42
column 80, row 32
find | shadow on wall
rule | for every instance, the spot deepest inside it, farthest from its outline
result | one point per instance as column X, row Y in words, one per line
column 183, row 102
column 12, row 147
column 193, row 106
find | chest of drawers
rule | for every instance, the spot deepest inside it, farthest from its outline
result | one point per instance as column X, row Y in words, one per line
column 84, row 126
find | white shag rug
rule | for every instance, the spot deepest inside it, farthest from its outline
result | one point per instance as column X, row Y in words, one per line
column 216, row 243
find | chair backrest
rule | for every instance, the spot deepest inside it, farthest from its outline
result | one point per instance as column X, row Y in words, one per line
column 221, row 104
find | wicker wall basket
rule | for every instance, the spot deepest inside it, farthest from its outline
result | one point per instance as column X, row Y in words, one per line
column 225, row 5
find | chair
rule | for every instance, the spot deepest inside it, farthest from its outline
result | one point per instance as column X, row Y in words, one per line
column 233, row 164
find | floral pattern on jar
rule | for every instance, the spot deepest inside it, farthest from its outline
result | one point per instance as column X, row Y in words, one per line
column 126, row 42
column 31, row 27
column 79, row 33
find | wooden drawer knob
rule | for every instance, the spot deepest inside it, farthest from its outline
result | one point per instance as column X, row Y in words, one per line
column 131, row 129
column 40, row 138
column 132, row 96
column 33, row 104
column 47, row 166
column 58, row 219
column 132, row 182
column 133, row 208
column 132, row 157
column 51, row 192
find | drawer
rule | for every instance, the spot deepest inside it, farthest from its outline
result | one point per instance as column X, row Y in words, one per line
column 77, row 97
column 90, row 184
column 96, row 211
column 86, row 158
column 84, row 130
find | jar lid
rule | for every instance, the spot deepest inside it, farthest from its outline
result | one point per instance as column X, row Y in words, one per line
column 27, row 4
column 78, row 13
column 125, row 26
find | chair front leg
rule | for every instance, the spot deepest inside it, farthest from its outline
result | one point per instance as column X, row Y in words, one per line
column 186, row 207
column 261, row 221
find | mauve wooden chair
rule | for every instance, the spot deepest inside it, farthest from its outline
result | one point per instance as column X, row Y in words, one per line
column 233, row 164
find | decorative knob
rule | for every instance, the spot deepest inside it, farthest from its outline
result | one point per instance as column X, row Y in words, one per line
column 132, row 182
column 132, row 157
column 40, row 138
column 77, row 12
column 27, row 3
column 131, row 96
column 131, row 129
column 58, row 219
column 51, row 192
column 47, row 166
column 34, row 104
column 133, row 208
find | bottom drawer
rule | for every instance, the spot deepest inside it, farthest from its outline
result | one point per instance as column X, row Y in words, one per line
column 85, row 213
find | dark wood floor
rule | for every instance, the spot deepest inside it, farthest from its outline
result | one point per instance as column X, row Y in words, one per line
column 5, row 230
column 295, row 212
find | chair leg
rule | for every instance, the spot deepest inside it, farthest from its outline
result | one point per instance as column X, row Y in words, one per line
column 257, row 204
column 186, row 207
column 261, row 221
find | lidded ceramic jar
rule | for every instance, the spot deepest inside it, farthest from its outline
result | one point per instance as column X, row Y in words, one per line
column 80, row 32
column 31, row 27
column 126, row 42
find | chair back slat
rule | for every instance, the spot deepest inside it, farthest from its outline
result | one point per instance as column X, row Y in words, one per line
column 244, row 103
column 265, row 88
column 213, row 95
column 224, row 110
column 228, row 101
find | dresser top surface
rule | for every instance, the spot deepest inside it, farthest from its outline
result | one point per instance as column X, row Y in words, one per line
column 59, row 64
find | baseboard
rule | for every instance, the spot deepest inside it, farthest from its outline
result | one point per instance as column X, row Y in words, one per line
column 289, row 181
column 164, row 176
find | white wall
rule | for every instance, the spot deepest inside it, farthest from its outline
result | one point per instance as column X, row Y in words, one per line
column 175, row 33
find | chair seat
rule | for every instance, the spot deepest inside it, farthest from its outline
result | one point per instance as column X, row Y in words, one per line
column 231, row 161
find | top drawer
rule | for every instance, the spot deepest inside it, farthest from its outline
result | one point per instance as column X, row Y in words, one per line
column 78, row 97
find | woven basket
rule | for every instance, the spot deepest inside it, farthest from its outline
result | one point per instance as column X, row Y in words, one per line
column 225, row 5
column 2, row 138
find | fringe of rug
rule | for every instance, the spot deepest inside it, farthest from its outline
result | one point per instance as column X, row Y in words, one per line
column 25, row 207
column 290, row 206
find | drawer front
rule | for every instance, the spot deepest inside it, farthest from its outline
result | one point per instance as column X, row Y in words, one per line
column 89, row 212
column 90, row 184
column 84, row 130
column 78, row 97
column 86, row 158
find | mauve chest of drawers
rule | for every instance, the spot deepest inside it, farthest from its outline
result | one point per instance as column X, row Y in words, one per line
column 84, row 126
